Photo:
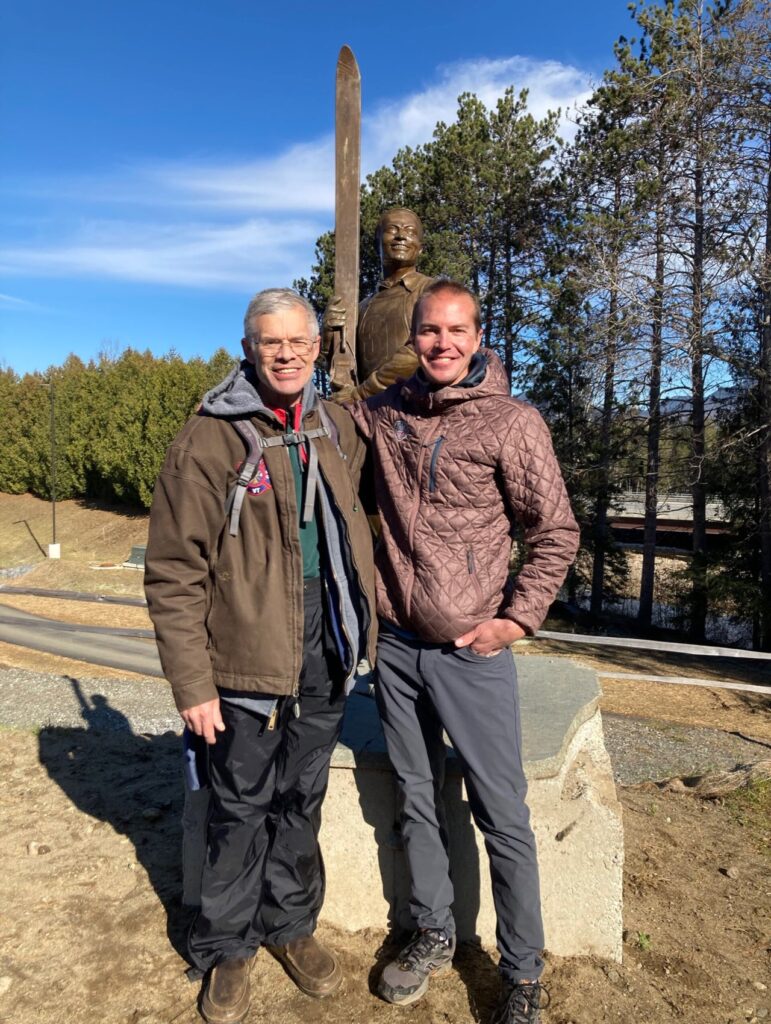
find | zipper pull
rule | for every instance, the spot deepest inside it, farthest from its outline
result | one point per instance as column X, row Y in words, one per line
column 273, row 719
column 296, row 708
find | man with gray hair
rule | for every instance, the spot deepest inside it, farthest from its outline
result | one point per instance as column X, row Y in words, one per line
column 260, row 586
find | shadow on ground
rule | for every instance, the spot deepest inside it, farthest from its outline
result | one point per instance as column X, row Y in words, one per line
column 134, row 784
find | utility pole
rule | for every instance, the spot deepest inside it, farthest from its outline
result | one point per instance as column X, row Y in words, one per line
column 54, row 549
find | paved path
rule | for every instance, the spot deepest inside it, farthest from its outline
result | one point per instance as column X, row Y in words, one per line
column 132, row 650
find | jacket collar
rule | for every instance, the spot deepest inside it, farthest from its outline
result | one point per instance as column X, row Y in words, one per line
column 486, row 377
column 410, row 282
column 237, row 395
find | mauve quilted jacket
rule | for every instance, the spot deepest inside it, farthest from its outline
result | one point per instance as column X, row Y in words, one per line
column 455, row 471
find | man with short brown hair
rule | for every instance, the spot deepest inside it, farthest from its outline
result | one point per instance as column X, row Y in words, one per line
column 458, row 464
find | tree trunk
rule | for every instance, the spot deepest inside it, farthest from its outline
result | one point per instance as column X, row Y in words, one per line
column 698, row 439
column 645, row 613
column 601, row 529
column 508, row 338
column 764, row 445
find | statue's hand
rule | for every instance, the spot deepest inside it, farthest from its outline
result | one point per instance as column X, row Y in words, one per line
column 348, row 393
column 334, row 315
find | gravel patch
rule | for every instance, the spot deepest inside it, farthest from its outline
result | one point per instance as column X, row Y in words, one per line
column 640, row 749
column 16, row 572
column 646, row 749
column 29, row 700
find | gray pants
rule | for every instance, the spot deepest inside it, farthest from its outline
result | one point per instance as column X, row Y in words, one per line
column 423, row 689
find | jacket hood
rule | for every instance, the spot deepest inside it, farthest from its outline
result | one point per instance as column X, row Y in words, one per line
column 486, row 368
column 237, row 395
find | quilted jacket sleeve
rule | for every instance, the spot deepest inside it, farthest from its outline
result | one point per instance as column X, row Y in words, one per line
column 536, row 495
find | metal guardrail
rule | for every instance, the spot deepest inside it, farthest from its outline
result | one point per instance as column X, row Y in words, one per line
column 669, row 506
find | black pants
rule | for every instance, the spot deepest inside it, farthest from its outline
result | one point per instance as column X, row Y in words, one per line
column 263, row 880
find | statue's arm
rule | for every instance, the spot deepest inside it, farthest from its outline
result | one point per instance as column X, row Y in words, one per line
column 400, row 366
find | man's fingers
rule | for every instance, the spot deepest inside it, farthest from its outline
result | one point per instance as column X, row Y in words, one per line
column 465, row 640
column 205, row 720
column 212, row 724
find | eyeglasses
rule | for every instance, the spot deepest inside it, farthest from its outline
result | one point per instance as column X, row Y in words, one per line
column 272, row 346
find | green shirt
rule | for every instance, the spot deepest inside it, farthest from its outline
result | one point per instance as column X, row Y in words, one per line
column 309, row 532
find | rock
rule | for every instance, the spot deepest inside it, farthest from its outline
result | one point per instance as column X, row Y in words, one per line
column 5, row 983
column 759, row 986
column 761, row 1013
column 37, row 849
column 730, row 872
column 613, row 976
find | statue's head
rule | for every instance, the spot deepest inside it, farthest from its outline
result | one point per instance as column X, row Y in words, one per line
column 399, row 239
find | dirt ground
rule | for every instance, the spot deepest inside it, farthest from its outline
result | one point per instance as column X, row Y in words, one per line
column 92, row 925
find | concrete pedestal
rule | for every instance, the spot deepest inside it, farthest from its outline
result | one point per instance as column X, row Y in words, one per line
column 575, row 814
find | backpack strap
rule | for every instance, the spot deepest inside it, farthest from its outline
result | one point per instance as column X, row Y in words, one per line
column 255, row 443
column 334, row 433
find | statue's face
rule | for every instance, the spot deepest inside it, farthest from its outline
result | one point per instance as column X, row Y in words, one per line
column 401, row 239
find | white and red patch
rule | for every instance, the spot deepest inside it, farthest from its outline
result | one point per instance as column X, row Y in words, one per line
column 260, row 482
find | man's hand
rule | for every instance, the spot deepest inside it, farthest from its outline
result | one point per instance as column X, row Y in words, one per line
column 491, row 636
column 204, row 719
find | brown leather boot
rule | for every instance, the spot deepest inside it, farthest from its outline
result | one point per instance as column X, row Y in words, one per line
column 226, row 995
column 312, row 967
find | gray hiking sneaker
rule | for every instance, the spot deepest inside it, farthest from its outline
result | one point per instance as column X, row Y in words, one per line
column 520, row 1003
column 405, row 979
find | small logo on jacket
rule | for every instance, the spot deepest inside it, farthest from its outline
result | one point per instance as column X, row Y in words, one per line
column 402, row 429
column 260, row 482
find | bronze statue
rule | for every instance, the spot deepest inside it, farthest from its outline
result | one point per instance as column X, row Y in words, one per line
column 383, row 352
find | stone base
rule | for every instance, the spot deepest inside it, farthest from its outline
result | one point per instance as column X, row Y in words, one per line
column 575, row 814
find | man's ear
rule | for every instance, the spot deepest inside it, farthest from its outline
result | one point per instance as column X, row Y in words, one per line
column 248, row 348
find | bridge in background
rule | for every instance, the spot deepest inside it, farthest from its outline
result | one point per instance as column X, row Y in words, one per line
column 674, row 520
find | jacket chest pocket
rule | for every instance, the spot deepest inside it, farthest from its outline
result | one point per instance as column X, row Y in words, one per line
column 458, row 477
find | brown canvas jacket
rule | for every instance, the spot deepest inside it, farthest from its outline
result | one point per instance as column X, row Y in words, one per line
column 454, row 471
column 228, row 611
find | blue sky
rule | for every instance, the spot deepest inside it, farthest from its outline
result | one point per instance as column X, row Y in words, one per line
column 160, row 162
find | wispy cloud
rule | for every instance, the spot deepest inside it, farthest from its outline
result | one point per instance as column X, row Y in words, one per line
column 300, row 180
column 255, row 221
column 194, row 255
column 12, row 302
column 411, row 121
